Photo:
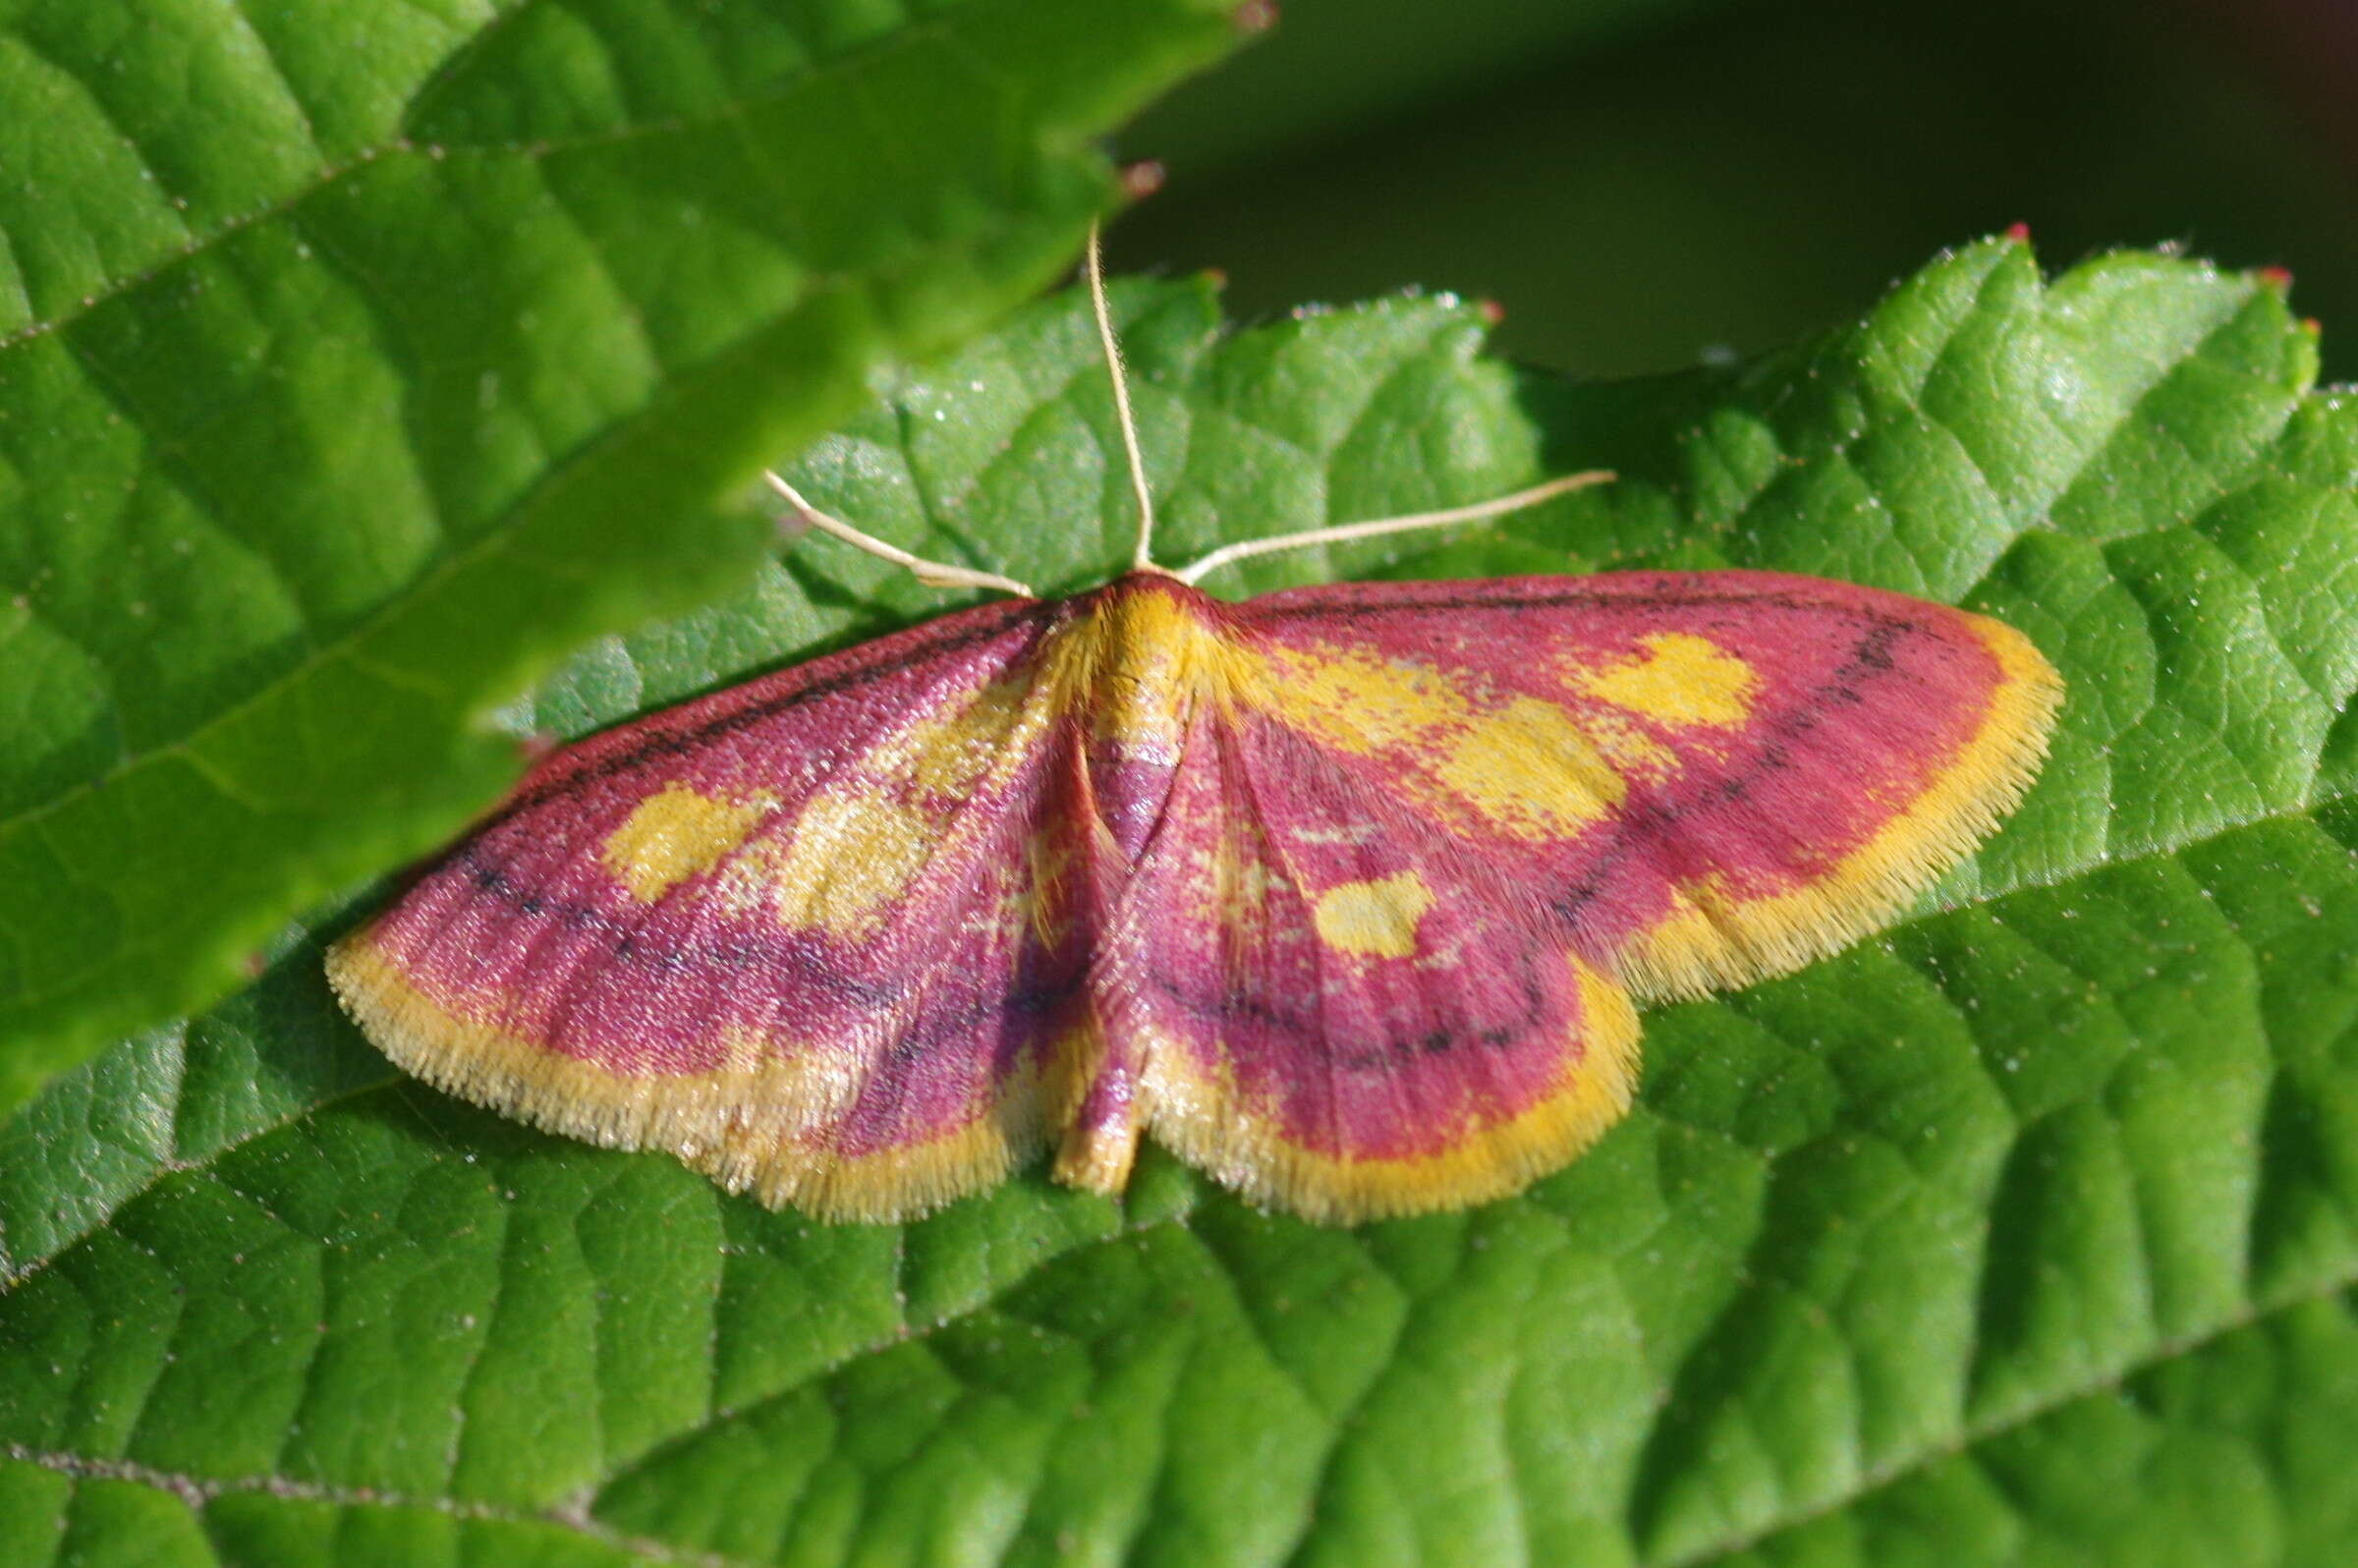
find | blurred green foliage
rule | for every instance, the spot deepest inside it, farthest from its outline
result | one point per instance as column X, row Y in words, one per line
column 1643, row 182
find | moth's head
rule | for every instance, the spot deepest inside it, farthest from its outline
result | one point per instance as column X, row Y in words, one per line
column 1145, row 629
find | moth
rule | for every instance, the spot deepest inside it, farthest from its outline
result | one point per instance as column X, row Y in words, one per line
column 1346, row 894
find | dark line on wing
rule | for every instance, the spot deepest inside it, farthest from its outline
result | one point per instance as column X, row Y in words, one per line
column 1229, row 1007
column 740, row 954
column 1251, row 610
column 658, row 742
column 1870, row 658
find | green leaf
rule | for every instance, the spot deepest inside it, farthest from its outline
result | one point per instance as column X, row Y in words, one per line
column 357, row 361
column 2026, row 1233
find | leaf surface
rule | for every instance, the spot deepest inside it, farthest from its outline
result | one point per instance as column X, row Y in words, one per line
column 357, row 361
column 2024, row 1233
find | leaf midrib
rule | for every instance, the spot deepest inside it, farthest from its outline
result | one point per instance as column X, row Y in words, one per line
column 1973, row 1434
column 197, row 1492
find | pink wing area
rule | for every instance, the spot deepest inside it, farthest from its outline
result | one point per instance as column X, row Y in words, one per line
column 1341, row 1011
column 1427, row 839
column 1707, row 777
column 806, row 934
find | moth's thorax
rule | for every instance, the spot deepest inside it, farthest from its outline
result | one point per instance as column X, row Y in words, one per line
column 1140, row 658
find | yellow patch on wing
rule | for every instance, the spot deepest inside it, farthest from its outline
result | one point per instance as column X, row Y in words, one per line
column 1200, row 1118
column 674, row 834
column 1714, row 939
column 1680, row 680
column 1362, row 704
column 948, row 753
column 1531, row 771
column 852, row 852
column 1523, row 766
column 1374, row 918
column 848, row 860
column 1236, row 877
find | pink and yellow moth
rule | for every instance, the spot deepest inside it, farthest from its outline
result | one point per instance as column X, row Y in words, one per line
column 1348, row 894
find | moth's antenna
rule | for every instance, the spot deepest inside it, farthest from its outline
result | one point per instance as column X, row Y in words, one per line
column 1142, row 558
column 933, row 573
column 1392, row 525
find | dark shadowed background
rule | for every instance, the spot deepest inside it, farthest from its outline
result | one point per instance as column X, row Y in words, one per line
column 1642, row 182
